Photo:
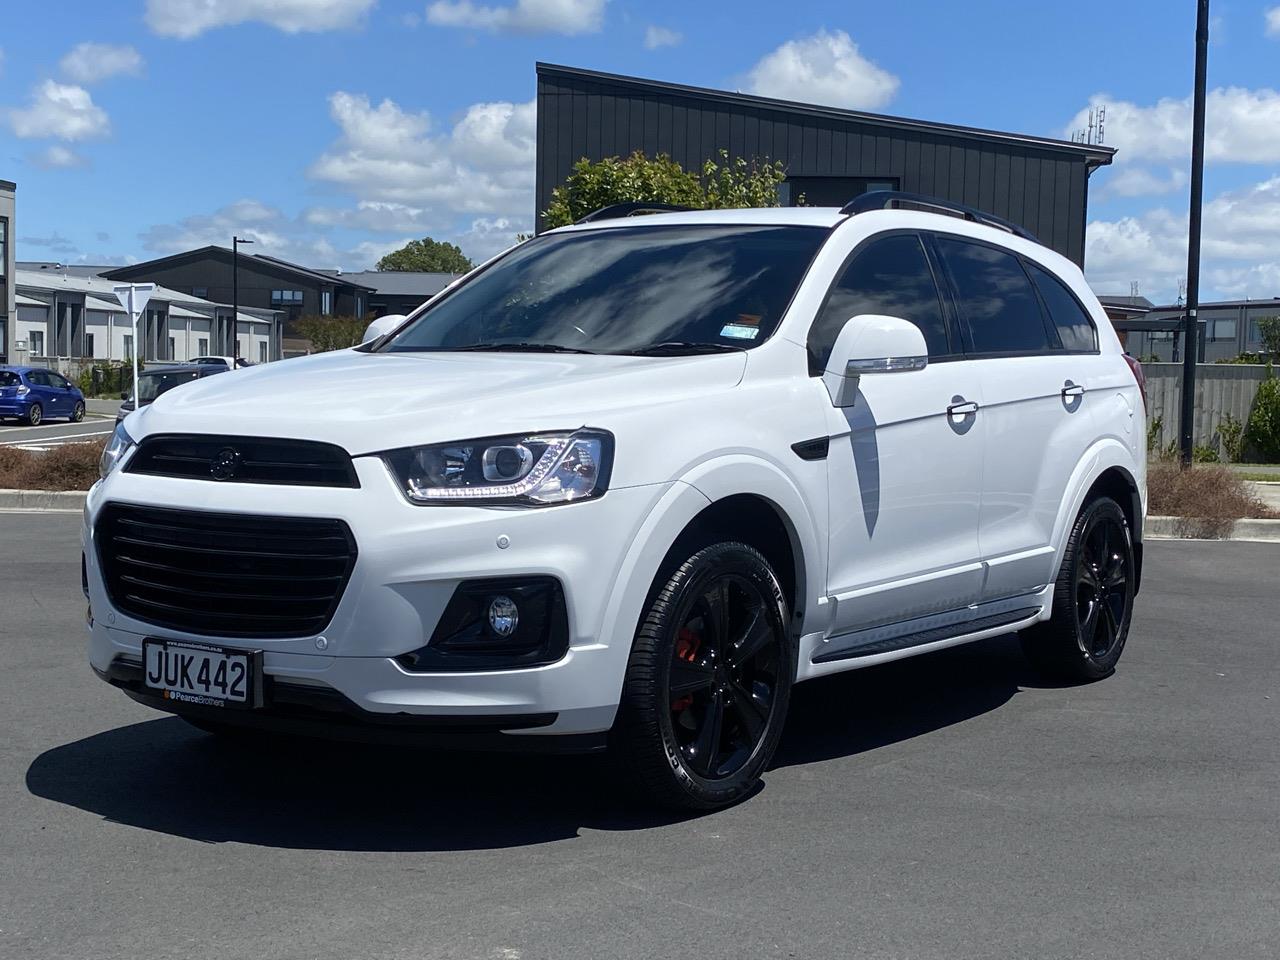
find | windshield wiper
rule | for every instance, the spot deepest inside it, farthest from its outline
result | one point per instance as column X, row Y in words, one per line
column 520, row 347
column 678, row 348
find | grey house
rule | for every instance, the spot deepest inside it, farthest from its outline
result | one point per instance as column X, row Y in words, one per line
column 399, row 291
column 831, row 155
column 1228, row 328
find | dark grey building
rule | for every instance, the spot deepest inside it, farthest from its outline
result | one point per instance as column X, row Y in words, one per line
column 399, row 291
column 1228, row 328
column 265, row 282
column 831, row 155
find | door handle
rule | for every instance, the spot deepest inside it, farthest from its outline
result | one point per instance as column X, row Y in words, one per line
column 1070, row 389
column 962, row 409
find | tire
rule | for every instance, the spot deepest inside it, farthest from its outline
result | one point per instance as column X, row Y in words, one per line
column 35, row 414
column 77, row 412
column 1092, row 599
column 738, row 668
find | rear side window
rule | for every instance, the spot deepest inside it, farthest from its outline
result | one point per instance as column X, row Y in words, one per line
column 889, row 276
column 38, row 378
column 9, row 379
column 995, row 298
column 1075, row 329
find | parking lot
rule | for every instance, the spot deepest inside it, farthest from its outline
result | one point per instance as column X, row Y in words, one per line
column 943, row 807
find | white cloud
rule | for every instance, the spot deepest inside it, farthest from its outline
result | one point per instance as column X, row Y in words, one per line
column 1240, row 247
column 60, row 111
column 387, row 154
column 58, row 157
column 488, row 236
column 524, row 16
column 823, row 68
column 190, row 18
column 272, row 231
column 1141, row 182
column 1241, row 126
column 90, row 62
column 1273, row 22
column 655, row 37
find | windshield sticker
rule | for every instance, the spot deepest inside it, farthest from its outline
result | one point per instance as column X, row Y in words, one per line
column 739, row 331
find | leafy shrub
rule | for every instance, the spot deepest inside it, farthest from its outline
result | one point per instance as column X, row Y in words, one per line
column 1155, row 436
column 332, row 333
column 1269, row 328
column 729, row 183
column 1263, row 430
column 1251, row 358
column 1231, row 437
column 1202, row 454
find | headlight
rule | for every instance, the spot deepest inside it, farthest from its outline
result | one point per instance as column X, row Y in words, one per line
column 119, row 444
column 532, row 470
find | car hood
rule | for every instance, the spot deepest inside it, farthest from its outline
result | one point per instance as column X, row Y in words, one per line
column 367, row 402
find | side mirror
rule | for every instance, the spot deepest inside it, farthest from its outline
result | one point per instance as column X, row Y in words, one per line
column 872, row 344
column 382, row 325
column 124, row 395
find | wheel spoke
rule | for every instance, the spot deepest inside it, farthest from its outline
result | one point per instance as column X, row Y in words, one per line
column 1088, row 576
column 1089, row 625
column 687, row 678
column 758, row 634
column 1109, row 627
column 717, row 601
column 751, row 713
column 706, row 745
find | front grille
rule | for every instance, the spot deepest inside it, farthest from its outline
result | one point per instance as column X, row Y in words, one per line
column 224, row 574
column 275, row 460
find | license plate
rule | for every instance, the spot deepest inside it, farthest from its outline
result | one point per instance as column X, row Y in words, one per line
column 202, row 673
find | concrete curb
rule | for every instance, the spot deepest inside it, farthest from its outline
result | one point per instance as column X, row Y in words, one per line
column 1192, row 528
column 71, row 501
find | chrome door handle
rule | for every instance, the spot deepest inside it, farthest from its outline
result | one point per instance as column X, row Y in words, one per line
column 962, row 409
column 1072, row 390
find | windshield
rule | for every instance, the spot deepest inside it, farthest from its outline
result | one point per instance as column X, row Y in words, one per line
column 625, row 290
column 151, row 385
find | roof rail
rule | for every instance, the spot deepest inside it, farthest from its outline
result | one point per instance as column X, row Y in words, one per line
column 617, row 211
column 885, row 199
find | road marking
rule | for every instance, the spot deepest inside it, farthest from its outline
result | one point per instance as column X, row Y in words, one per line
column 55, row 440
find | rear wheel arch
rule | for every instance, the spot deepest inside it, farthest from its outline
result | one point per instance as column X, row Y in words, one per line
column 1118, row 484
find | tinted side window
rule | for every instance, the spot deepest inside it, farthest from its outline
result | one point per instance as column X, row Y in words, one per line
column 57, row 380
column 1075, row 329
column 37, row 378
column 995, row 297
column 889, row 276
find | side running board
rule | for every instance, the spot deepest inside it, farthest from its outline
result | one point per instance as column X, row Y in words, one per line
column 949, row 631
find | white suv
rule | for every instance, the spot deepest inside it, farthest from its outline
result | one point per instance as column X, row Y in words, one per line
column 627, row 483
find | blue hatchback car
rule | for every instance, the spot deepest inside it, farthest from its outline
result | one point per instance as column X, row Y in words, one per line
column 34, row 394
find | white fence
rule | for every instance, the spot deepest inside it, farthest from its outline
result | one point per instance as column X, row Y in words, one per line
column 1221, row 388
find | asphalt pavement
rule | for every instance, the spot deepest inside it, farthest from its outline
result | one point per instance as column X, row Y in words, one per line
column 945, row 807
column 52, row 433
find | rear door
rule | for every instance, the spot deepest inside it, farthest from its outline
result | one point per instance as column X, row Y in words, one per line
column 905, row 461
column 45, row 394
column 62, row 390
column 1037, row 407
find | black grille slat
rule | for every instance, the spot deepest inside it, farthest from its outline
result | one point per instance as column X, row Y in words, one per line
column 221, row 574
column 270, row 460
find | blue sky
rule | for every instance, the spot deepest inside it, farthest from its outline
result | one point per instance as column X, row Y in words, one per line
column 333, row 130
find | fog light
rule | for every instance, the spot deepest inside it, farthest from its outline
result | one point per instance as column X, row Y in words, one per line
column 504, row 616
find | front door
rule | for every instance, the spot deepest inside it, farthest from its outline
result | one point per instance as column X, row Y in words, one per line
column 905, row 461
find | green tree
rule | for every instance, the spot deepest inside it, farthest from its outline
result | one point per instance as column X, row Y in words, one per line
column 1269, row 327
column 727, row 183
column 1263, row 431
column 332, row 333
column 432, row 256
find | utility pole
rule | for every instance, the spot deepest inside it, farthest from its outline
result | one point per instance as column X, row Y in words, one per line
column 235, row 294
column 1191, row 336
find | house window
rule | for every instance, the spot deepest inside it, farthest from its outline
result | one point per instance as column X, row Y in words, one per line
column 173, row 349
column 286, row 296
column 4, row 243
column 262, row 352
column 37, row 343
column 203, row 346
column 128, row 346
column 88, row 345
column 326, row 302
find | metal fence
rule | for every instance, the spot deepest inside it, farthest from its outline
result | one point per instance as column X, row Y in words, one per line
column 1221, row 388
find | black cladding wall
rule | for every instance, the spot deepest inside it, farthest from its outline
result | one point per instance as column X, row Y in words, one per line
column 1041, row 184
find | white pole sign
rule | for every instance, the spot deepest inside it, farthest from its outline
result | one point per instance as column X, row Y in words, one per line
column 133, row 297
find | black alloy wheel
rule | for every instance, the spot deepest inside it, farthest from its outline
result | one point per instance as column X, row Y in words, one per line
column 708, row 682
column 77, row 412
column 1092, row 599
column 35, row 413
column 723, row 675
column 1102, row 586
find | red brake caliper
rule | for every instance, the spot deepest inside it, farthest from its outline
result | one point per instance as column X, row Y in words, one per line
column 687, row 643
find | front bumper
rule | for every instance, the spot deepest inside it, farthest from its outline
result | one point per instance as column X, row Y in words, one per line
column 410, row 560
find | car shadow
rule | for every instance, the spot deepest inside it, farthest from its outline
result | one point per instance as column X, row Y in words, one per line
column 165, row 776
